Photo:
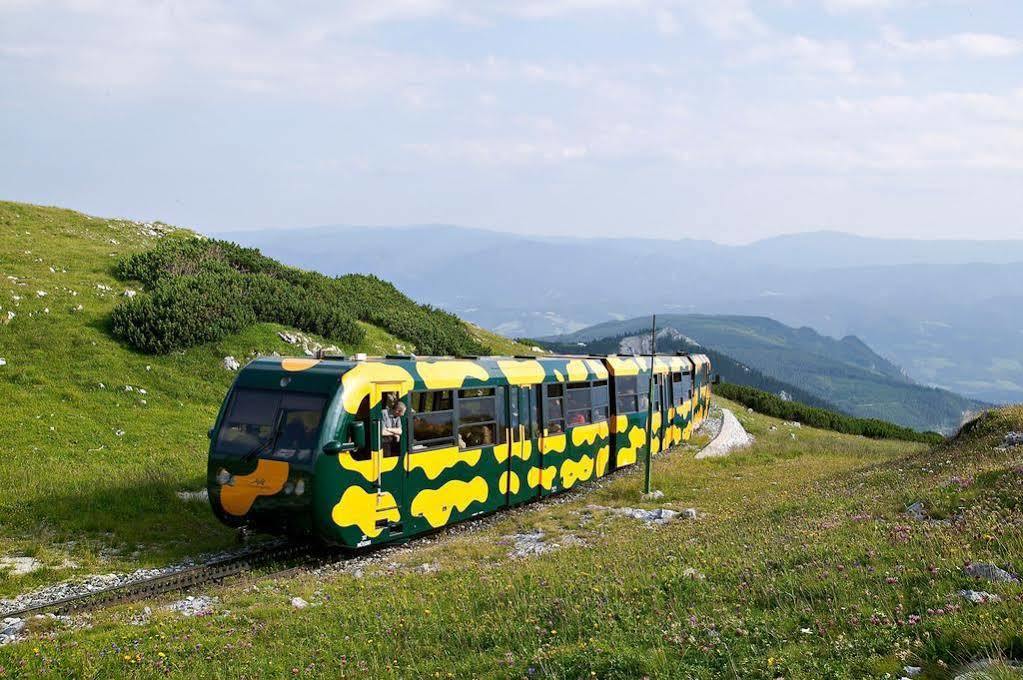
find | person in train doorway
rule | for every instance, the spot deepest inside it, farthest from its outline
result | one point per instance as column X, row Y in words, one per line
column 391, row 425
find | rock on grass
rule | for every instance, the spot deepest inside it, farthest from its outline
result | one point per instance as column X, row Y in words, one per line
column 989, row 572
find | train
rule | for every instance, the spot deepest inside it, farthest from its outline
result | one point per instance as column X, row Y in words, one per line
column 358, row 451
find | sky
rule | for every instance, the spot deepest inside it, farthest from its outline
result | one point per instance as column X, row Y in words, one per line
column 731, row 120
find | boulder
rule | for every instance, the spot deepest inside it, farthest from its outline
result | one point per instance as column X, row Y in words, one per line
column 989, row 572
column 916, row 511
column 979, row 596
column 230, row 363
column 12, row 627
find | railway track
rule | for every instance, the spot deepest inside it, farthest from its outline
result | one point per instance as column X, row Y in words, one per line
column 280, row 559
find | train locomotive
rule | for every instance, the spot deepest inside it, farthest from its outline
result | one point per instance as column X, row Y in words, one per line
column 362, row 451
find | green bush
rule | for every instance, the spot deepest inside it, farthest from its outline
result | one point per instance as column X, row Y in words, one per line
column 773, row 405
column 252, row 287
column 183, row 312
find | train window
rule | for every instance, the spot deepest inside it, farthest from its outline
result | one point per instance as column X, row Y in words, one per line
column 625, row 389
column 273, row 424
column 555, row 409
column 249, row 421
column 433, row 419
column 477, row 408
column 578, row 404
column 600, row 401
column 474, row 436
column 478, row 418
column 643, row 392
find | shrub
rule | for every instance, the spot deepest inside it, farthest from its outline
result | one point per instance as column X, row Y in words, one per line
column 773, row 405
column 263, row 289
column 183, row 312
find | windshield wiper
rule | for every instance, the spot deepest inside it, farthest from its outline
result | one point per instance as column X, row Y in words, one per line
column 269, row 442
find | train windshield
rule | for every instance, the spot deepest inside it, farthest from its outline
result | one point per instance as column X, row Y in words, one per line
column 268, row 423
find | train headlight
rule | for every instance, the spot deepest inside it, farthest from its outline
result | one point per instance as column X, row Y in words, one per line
column 224, row 477
column 300, row 487
column 288, row 488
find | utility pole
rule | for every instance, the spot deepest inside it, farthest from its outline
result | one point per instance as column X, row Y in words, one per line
column 650, row 406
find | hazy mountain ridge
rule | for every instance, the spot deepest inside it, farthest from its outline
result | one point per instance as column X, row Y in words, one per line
column 943, row 310
column 844, row 375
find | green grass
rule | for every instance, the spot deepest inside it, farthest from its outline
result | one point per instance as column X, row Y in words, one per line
column 805, row 534
column 72, row 487
column 807, row 568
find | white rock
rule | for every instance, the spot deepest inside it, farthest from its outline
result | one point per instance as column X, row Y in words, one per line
column 3, row 362
column 19, row 566
column 654, row 495
column 989, row 572
column 979, row 596
column 194, row 606
column 912, row 671
column 731, row 436
column 193, row 496
column 230, row 363
column 299, row 603
column 1012, row 440
column 655, row 516
column 41, row 293
column 690, row 513
column 917, row 511
column 129, row 293
column 12, row 627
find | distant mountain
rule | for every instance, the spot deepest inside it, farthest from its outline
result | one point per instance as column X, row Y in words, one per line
column 669, row 341
column 946, row 311
column 844, row 373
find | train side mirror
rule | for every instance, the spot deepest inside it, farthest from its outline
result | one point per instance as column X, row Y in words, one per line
column 334, row 447
column 209, row 433
column 357, row 433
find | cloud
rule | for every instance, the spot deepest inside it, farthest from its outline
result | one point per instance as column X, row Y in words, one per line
column 807, row 54
column 958, row 45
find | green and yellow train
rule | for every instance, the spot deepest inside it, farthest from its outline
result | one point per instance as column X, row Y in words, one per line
column 311, row 447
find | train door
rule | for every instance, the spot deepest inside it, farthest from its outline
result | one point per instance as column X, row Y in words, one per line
column 389, row 451
column 523, row 447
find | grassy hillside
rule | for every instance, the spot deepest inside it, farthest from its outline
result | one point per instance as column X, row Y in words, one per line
column 89, row 467
column 794, row 411
column 845, row 373
column 801, row 564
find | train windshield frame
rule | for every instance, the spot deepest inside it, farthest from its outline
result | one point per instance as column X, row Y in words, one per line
column 271, row 424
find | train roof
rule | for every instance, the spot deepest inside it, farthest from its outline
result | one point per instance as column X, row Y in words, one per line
column 448, row 372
